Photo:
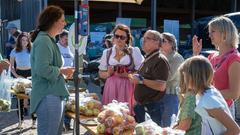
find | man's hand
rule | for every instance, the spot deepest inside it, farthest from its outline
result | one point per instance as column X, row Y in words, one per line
column 134, row 78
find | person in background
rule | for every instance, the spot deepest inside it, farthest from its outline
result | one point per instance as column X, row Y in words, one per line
column 21, row 56
column 170, row 99
column 226, row 62
column 13, row 34
column 141, row 41
column 108, row 41
column 68, row 59
column 187, row 119
column 137, row 40
column 48, row 82
column 64, row 49
column 107, row 44
column 115, row 65
column 210, row 105
column 151, row 80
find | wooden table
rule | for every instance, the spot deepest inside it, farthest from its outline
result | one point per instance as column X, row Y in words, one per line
column 72, row 89
column 22, row 96
column 93, row 129
column 72, row 115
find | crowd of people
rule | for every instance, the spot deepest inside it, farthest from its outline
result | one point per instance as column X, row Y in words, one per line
column 200, row 91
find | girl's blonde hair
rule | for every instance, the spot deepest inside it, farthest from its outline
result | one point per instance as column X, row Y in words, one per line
column 196, row 73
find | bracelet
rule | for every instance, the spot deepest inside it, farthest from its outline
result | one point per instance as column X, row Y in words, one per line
column 141, row 79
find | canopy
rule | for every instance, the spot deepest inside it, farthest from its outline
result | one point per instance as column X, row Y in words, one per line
column 123, row 1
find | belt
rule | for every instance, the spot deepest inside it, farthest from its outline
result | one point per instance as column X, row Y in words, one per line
column 23, row 69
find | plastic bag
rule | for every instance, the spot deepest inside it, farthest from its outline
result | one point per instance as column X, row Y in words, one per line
column 148, row 127
column 88, row 104
column 5, row 95
column 90, row 107
column 115, row 118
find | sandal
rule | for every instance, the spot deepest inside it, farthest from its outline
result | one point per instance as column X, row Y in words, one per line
column 20, row 125
column 34, row 126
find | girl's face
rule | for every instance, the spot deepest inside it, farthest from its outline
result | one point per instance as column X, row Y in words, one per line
column 215, row 36
column 24, row 42
column 120, row 38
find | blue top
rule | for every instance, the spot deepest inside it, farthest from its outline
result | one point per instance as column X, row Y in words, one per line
column 22, row 58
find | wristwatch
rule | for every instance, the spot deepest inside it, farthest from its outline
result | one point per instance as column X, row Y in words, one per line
column 141, row 79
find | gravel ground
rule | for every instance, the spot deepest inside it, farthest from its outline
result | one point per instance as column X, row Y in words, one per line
column 9, row 125
column 9, row 120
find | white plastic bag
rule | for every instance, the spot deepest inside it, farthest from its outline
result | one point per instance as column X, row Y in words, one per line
column 5, row 95
column 148, row 127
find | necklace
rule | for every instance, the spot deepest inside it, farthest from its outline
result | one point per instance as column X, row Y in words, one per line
column 119, row 55
column 148, row 58
column 224, row 57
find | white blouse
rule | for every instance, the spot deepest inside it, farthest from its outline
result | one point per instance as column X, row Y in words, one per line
column 211, row 99
column 125, row 60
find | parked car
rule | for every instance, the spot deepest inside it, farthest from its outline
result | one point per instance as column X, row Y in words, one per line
column 200, row 29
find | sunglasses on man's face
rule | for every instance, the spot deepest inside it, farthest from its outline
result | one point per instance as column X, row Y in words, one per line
column 120, row 37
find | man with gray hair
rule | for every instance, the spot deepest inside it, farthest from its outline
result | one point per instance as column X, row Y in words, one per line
column 13, row 32
column 151, row 79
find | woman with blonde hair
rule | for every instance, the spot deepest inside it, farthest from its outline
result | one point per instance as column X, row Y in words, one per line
column 226, row 61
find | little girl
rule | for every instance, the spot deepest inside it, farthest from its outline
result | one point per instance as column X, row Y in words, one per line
column 188, row 120
column 210, row 104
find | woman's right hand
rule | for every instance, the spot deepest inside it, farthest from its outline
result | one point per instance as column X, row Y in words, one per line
column 110, row 70
column 4, row 64
column 67, row 72
column 106, row 74
column 197, row 45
